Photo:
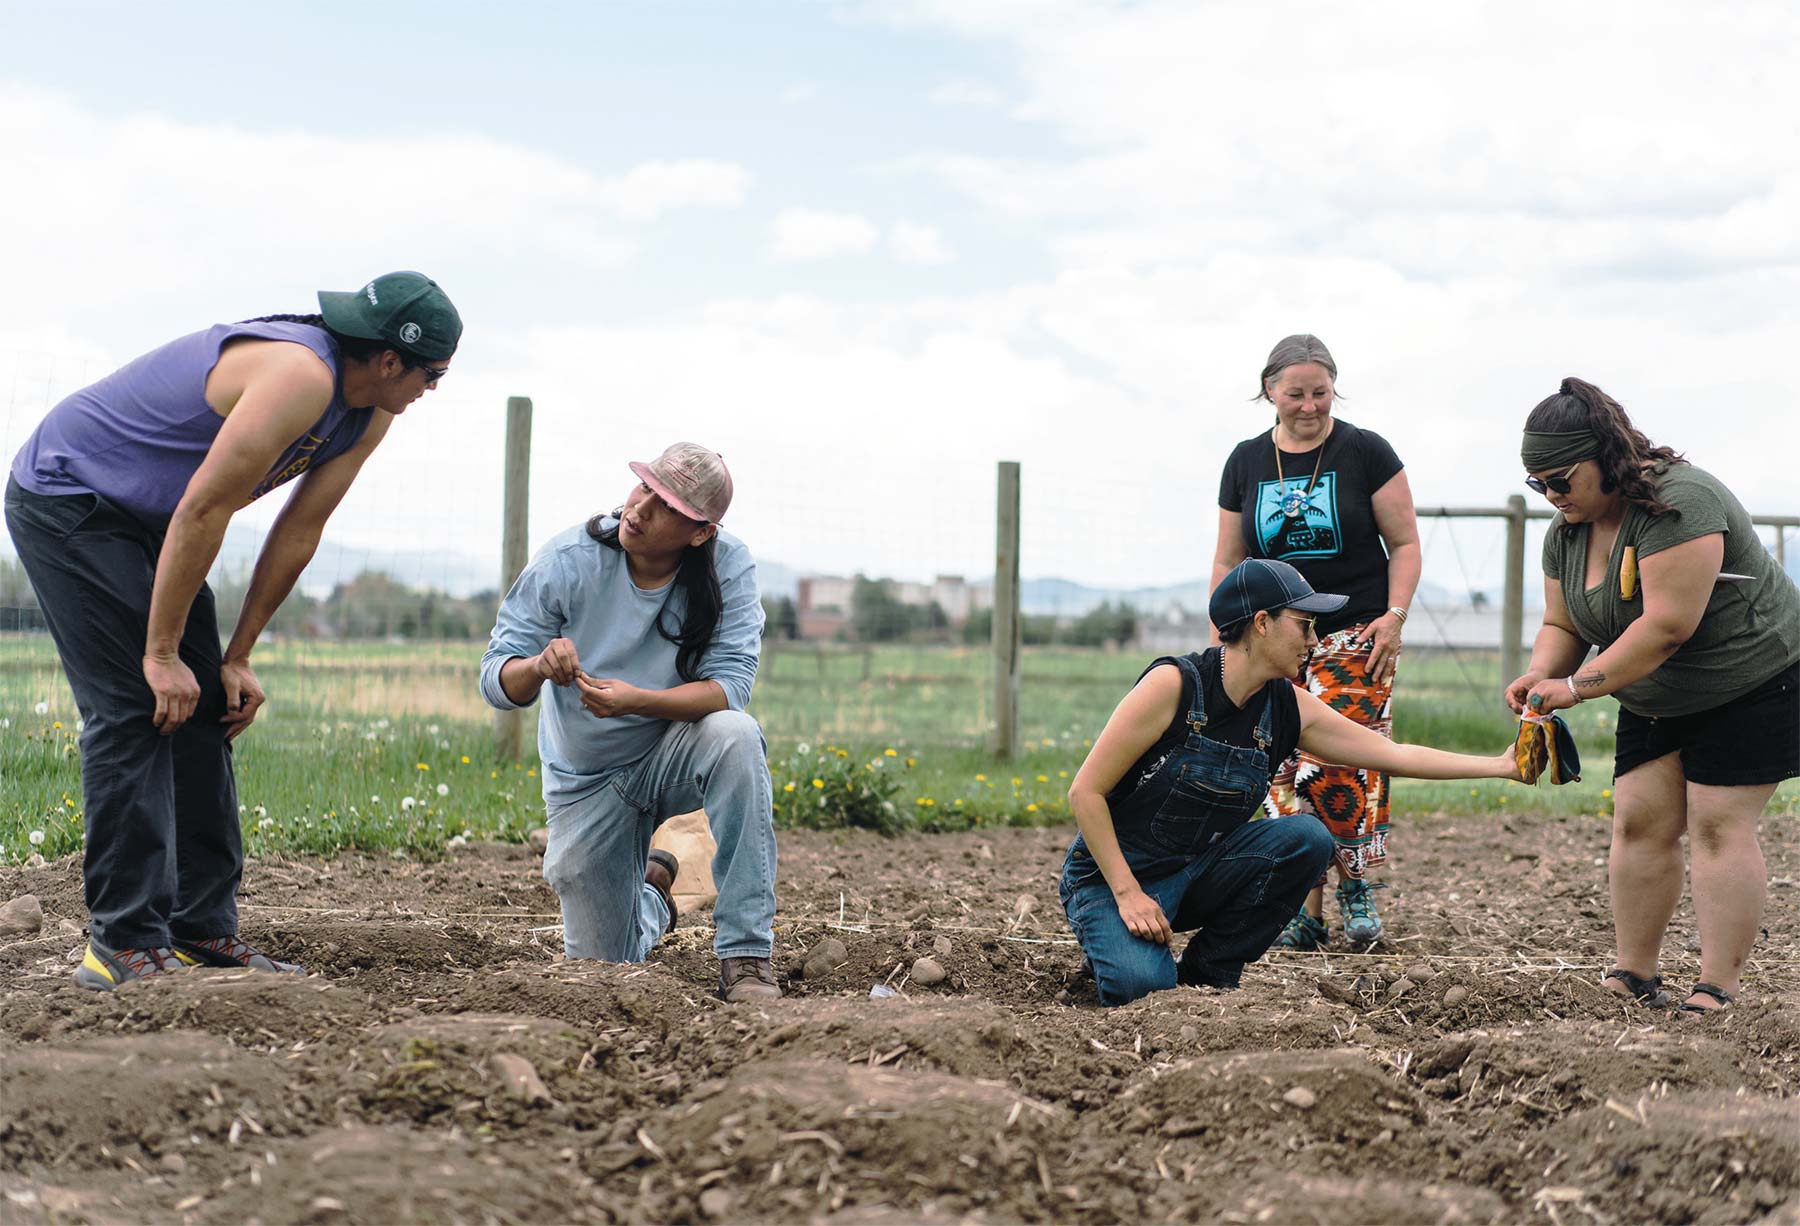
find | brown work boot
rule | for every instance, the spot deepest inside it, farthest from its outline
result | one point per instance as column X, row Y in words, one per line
column 743, row 979
column 659, row 875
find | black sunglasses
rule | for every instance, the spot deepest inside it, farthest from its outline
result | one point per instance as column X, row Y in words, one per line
column 1558, row 484
column 434, row 373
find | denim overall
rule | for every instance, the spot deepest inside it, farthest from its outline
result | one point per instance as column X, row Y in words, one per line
column 1186, row 834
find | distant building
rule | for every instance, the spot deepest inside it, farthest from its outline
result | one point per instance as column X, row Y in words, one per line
column 822, row 603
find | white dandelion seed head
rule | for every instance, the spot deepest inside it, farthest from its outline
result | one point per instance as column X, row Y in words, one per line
column 433, row 730
column 407, row 802
column 262, row 810
column 267, row 823
column 457, row 841
column 443, row 789
column 803, row 748
column 36, row 837
column 374, row 800
column 43, row 708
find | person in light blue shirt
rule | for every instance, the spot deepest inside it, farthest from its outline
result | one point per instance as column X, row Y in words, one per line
column 648, row 624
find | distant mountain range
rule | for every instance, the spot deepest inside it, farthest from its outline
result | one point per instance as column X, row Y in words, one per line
column 462, row 574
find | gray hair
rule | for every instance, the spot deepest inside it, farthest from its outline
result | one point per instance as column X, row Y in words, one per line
column 1294, row 351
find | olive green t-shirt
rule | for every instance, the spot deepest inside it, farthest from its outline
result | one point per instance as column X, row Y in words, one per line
column 1750, row 630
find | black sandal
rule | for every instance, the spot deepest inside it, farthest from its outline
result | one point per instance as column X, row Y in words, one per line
column 1707, row 989
column 1646, row 992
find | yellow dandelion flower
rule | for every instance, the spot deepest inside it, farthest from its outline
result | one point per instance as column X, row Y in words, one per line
column 843, row 753
column 818, row 783
column 789, row 786
column 959, row 804
column 912, row 761
column 1017, row 781
column 1043, row 779
column 981, row 779
column 465, row 759
column 1606, row 794
column 532, row 772
column 1062, row 774
column 493, row 774
column 1031, row 808
column 424, row 766
column 890, row 753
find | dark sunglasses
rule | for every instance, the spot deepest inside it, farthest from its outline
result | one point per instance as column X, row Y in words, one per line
column 434, row 373
column 1558, row 484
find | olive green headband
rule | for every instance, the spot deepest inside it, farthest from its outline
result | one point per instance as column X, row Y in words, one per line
column 1542, row 451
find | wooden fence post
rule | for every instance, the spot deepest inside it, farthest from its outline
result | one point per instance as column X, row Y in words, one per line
column 1008, row 736
column 515, row 544
column 1512, row 611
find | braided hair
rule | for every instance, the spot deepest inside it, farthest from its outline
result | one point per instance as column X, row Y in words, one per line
column 351, row 348
column 1629, row 462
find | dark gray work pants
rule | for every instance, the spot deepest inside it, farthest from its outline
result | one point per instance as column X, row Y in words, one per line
column 164, row 848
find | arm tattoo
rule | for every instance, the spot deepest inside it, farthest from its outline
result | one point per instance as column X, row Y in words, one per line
column 1592, row 679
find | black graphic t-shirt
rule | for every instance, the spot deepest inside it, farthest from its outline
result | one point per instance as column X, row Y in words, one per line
column 1331, row 538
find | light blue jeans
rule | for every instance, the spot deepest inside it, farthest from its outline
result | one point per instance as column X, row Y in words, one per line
column 600, row 843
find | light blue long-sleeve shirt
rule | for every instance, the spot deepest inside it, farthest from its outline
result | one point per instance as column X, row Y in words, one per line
column 578, row 589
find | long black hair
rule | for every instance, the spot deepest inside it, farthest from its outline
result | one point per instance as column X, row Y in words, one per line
column 698, row 579
column 351, row 348
column 1629, row 462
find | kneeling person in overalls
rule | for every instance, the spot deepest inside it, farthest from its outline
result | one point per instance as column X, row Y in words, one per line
column 1165, row 798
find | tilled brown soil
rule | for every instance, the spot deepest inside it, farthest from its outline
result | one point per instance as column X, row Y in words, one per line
column 1470, row 1070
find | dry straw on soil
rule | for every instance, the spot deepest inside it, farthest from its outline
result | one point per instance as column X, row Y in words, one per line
column 443, row 1064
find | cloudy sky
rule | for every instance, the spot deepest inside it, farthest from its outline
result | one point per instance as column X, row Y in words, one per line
column 866, row 250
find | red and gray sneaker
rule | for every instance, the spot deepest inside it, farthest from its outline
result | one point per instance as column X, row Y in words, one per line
column 231, row 950
column 103, row 968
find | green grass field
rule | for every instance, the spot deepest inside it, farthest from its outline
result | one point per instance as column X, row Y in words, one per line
column 381, row 746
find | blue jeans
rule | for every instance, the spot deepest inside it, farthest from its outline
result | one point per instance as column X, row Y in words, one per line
column 1238, row 893
column 600, row 843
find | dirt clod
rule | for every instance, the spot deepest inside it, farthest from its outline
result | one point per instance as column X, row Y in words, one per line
column 1300, row 1097
column 21, row 917
column 927, row 971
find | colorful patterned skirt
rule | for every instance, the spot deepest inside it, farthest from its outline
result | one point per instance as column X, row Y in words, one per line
column 1353, row 803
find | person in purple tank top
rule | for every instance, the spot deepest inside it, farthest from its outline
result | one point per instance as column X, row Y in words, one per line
column 117, row 505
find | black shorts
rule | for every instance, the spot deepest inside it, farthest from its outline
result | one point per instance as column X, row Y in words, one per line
column 1750, row 740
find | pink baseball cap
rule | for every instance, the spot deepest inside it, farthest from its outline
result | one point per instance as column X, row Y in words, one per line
column 689, row 478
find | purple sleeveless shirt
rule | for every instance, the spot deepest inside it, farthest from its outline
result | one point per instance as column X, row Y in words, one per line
column 137, row 436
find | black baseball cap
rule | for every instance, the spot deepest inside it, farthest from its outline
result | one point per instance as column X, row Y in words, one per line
column 406, row 309
column 1256, row 584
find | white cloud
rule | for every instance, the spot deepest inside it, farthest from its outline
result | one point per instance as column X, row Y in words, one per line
column 916, row 244
column 817, row 234
column 966, row 93
column 143, row 207
column 645, row 192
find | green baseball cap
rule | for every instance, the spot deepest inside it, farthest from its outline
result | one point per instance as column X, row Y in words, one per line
column 405, row 309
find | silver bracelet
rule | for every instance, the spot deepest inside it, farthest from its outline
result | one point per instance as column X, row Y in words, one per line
column 1397, row 611
column 1573, row 692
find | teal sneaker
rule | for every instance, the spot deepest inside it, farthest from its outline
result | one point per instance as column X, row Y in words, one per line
column 1303, row 932
column 1362, row 923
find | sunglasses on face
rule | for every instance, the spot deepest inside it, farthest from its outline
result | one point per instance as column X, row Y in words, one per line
column 433, row 373
column 1559, row 484
column 1310, row 625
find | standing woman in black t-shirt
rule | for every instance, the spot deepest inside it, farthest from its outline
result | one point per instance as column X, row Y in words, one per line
column 1332, row 501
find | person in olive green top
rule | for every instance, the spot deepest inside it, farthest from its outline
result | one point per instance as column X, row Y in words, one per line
column 1656, row 563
